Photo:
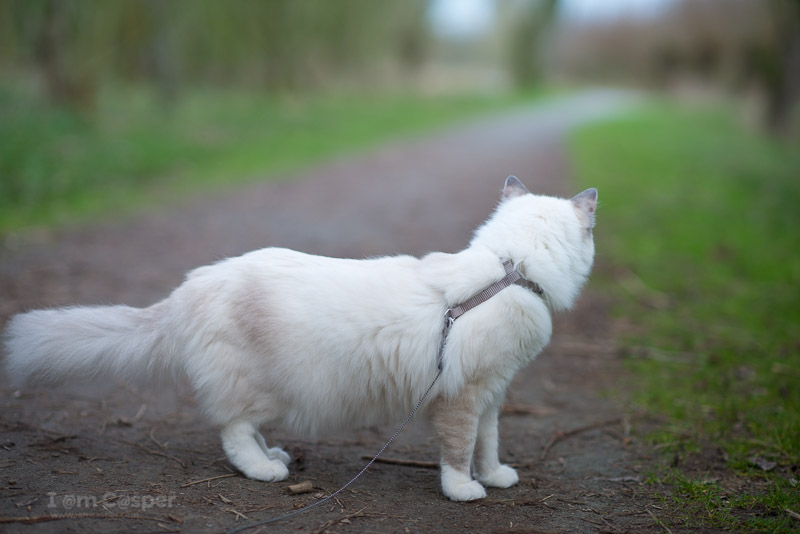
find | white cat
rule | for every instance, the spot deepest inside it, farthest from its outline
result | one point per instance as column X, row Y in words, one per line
column 314, row 343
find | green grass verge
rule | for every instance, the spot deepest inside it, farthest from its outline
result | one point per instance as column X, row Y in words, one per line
column 698, row 224
column 56, row 165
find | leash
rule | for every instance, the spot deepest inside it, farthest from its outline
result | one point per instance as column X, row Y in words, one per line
column 512, row 277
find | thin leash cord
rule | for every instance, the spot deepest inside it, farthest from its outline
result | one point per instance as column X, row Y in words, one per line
column 337, row 492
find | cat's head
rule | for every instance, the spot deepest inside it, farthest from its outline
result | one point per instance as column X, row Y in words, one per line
column 549, row 239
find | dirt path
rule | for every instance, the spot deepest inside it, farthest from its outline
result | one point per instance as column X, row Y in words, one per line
column 118, row 450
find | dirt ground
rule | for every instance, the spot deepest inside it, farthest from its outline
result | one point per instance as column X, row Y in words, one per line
column 118, row 458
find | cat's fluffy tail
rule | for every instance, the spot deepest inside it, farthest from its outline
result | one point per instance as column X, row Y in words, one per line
column 45, row 347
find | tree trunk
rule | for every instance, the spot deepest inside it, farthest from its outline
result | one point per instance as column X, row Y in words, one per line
column 64, row 86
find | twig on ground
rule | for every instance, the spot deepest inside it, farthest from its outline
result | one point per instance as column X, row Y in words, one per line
column 165, row 455
column 619, row 479
column 568, row 501
column 303, row 487
column 257, row 509
column 139, row 414
column 510, row 502
column 659, row 522
column 328, row 524
column 33, row 519
column 792, row 514
column 401, row 461
column 192, row 483
column 154, row 453
column 124, row 421
column 153, row 438
column 590, row 521
column 340, row 503
column 525, row 409
column 560, row 435
column 237, row 513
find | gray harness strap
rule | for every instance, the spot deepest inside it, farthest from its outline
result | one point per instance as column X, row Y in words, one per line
column 512, row 276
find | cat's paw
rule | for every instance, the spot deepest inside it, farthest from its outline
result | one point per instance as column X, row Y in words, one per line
column 466, row 491
column 502, row 477
column 268, row 471
column 276, row 453
column 459, row 486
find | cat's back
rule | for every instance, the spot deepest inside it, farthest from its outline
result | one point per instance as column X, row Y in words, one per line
column 282, row 263
column 298, row 276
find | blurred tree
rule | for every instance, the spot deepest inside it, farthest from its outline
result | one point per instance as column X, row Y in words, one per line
column 779, row 65
column 528, row 22
column 413, row 37
column 278, row 44
column 163, row 52
column 66, row 82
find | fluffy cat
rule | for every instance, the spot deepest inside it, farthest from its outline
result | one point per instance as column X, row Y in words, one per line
column 315, row 343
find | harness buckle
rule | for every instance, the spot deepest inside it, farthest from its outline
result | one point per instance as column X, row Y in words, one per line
column 448, row 323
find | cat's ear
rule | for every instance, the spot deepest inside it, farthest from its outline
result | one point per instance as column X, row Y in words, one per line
column 513, row 188
column 586, row 203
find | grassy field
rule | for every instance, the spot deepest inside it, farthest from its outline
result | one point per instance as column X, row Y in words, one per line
column 57, row 166
column 698, row 228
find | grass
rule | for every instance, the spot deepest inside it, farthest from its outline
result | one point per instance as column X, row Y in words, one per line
column 57, row 166
column 699, row 225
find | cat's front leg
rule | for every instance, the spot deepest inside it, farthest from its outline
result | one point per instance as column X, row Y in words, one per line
column 488, row 468
column 456, row 424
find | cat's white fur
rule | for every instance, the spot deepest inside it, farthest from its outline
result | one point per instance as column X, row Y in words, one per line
column 315, row 343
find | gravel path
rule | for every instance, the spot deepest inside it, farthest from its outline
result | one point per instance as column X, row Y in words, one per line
column 115, row 450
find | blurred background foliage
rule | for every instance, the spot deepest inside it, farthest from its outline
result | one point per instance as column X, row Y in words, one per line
column 99, row 100
column 78, row 45
column 76, row 48
column 746, row 48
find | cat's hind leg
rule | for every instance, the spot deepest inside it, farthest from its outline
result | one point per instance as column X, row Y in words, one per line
column 248, row 452
column 273, row 453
